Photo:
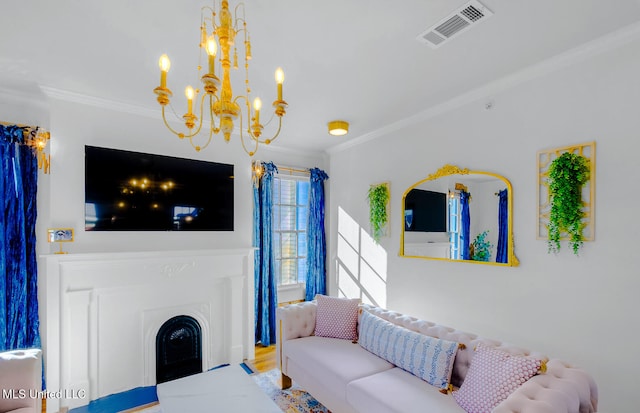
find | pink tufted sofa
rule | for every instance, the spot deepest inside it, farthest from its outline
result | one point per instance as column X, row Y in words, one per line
column 348, row 379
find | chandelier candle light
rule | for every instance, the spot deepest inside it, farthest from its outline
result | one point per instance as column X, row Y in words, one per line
column 218, row 96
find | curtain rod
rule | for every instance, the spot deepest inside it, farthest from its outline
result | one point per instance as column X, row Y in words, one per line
column 292, row 170
column 28, row 128
column 20, row 125
column 289, row 169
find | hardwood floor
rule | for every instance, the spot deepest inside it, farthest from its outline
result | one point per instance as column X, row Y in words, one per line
column 265, row 359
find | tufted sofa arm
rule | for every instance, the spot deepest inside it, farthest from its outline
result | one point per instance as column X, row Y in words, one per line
column 294, row 321
column 561, row 389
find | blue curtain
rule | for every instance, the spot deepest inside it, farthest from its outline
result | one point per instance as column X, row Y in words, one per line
column 466, row 224
column 19, row 323
column 503, row 226
column 316, row 242
column 266, row 299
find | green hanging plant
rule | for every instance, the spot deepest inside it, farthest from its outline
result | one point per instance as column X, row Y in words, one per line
column 378, row 196
column 481, row 247
column 567, row 175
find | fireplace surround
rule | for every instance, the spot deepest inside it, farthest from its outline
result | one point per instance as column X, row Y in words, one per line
column 102, row 313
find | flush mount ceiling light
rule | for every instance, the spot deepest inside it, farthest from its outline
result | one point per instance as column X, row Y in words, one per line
column 218, row 100
column 338, row 127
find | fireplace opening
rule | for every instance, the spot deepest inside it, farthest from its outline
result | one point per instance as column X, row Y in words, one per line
column 178, row 349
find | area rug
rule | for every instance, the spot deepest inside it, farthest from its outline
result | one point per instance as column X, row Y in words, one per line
column 291, row 400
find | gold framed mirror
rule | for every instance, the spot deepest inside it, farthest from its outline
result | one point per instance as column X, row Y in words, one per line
column 460, row 215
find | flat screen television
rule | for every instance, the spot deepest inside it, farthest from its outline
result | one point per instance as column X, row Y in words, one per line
column 132, row 191
column 425, row 211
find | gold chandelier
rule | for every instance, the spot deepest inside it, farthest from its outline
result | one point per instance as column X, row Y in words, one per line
column 220, row 103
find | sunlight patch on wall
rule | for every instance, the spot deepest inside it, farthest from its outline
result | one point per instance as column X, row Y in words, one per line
column 361, row 264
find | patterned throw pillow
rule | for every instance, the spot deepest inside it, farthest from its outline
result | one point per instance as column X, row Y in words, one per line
column 337, row 317
column 493, row 375
column 426, row 357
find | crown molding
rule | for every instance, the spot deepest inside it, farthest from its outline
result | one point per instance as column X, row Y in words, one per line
column 573, row 56
column 293, row 151
column 83, row 99
column 30, row 97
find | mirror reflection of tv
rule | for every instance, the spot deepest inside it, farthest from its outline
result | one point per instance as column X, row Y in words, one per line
column 425, row 211
column 132, row 191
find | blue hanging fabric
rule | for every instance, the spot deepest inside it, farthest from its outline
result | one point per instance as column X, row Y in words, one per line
column 316, row 241
column 503, row 227
column 19, row 322
column 466, row 225
column 266, row 299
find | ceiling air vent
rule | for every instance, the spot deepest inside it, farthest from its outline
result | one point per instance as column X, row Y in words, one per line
column 457, row 22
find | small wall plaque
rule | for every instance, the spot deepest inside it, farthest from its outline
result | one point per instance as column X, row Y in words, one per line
column 60, row 235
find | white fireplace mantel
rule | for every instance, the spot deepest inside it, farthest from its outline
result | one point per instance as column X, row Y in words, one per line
column 101, row 313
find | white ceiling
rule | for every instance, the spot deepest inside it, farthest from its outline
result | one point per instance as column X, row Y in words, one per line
column 356, row 60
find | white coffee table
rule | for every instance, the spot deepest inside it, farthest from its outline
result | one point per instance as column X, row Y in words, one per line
column 227, row 389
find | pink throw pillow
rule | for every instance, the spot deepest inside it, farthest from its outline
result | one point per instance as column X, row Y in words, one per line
column 493, row 375
column 337, row 317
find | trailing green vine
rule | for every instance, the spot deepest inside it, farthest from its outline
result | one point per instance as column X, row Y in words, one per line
column 378, row 197
column 567, row 175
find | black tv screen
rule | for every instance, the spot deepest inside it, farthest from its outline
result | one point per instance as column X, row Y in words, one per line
column 425, row 211
column 132, row 191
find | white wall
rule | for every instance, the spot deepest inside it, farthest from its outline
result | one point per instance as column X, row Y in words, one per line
column 581, row 309
column 75, row 125
column 61, row 193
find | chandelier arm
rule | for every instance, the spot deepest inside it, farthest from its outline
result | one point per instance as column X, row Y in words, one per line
column 253, row 137
column 273, row 115
column 201, row 120
column 164, row 118
column 246, row 100
column 235, row 14
column 211, row 133
column 198, row 148
column 175, row 132
column 248, row 103
column 178, row 117
column 274, row 137
column 244, row 146
column 204, row 19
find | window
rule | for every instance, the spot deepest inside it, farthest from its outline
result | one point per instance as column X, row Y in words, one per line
column 290, row 214
column 455, row 225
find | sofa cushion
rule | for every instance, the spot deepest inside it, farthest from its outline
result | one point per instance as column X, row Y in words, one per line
column 427, row 357
column 337, row 317
column 396, row 391
column 492, row 377
column 334, row 362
